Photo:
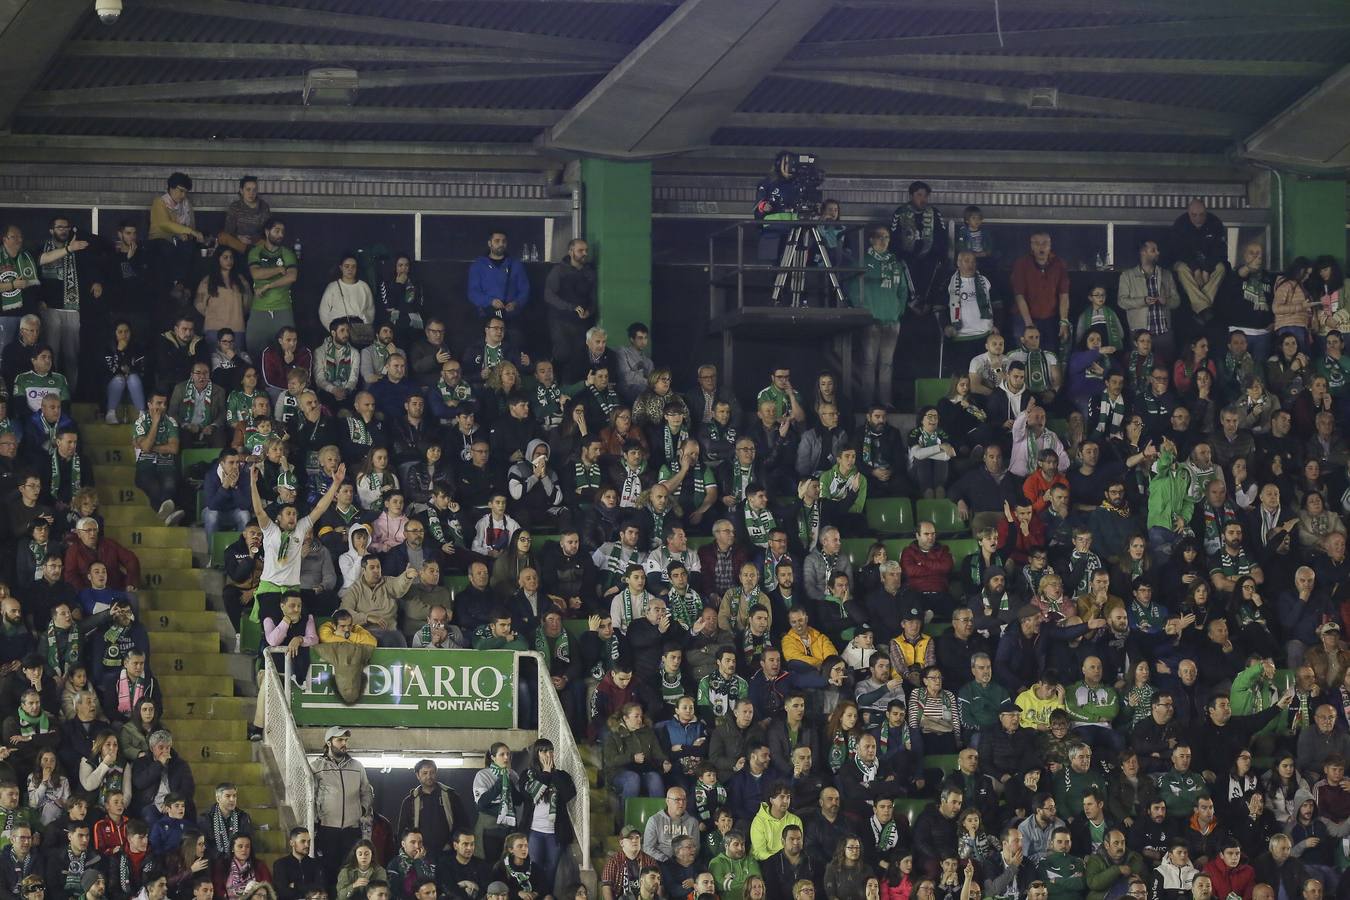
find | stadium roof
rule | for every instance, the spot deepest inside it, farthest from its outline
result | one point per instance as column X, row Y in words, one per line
column 1110, row 83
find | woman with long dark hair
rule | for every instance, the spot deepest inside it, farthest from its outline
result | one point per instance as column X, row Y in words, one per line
column 1291, row 304
column 401, row 302
column 224, row 298
column 347, row 296
column 548, row 790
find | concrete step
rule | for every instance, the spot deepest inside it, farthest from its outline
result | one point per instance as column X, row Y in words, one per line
column 214, row 664
column 269, row 843
column 113, row 456
column 158, row 558
column 197, row 642
column 130, row 515
column 101, row 434
column 153, row 537
column 239, row 753
column 203, row 729
column 178, row 601
column 183, row 578
column 601, row 799
column 119, row 494
column 213, row 773
column 85, row 412
column 177, row 621
column 176, row 685
column 120, row 476
column 223, row 710
column 267, row 815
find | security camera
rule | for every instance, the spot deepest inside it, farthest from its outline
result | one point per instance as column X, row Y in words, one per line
column 109, row 11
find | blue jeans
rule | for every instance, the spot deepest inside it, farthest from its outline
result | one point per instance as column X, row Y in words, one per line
column 1161, row 541
column 546, row 852
column 130, row 385
column 234, row 520
column 631, row 784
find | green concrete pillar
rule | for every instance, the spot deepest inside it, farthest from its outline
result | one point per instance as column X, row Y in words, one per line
column 1314, row 217
column 618, row 227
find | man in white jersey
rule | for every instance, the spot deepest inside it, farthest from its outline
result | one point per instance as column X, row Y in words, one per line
column 284, row 539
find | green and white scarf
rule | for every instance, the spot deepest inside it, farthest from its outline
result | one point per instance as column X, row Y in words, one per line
column 671, row 443
column 740, row 480
column 23, row 268
column 59, row 662
column 30, row 725
column 759, row 524
column 610, row 656
column 223, row 829
column 843, row 747
column 628, row 600
column 917, row 226
column 76, row 479
column 885, row 836
column 541, row 792
column 1038, row 371
column 672, row 686
column 338, row 361
column 63, row 270
column 558, row 648
column 197, row 404
column 808, row 524
column 505, row 813
column 685, row 607
column 358, row 432
column 981, row 298
column 548, row 405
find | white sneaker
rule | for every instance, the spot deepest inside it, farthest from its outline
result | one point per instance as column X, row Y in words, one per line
column 165, row 509
column 174, row 518
column 111, row 418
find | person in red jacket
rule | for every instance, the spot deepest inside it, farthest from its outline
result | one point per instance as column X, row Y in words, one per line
column 1229, row 874
column 87, row 547
column 927, row 567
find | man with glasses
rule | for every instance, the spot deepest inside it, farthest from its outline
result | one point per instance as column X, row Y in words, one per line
column 706, row 394
column 124, row 569
column 787, row 403
column 19, row 866
column 428, row 354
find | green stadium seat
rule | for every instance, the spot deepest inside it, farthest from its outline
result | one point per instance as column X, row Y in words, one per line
column 890, row 515
column 910, row 809
column 637, row 810
column 856, row 550
column 1060, row 427
column 896, row 546
column 455, row 583
column 934, row 629
column 928, row 391
column 575, row 628
column 946, row 763
column 189, row 458
column 962, row 548
column 942, row 513
column 702, row 540
column 250, row 635
column 220, row 541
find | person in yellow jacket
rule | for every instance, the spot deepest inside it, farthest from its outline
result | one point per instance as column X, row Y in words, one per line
column 1039, row 700
column 341, row 629
column 804, row 645
column 766, row 829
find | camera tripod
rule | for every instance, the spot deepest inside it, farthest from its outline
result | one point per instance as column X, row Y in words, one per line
column 802, row 241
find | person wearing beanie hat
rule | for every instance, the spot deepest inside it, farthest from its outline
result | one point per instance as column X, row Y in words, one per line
column 535, row 489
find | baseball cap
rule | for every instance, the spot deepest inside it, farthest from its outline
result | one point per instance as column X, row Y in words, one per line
column 629, row 830
column 1329, row 626
column 336, row 731
column 1028, row 612
column 90, row 878
column 286, row 480
column 497, row 887
column 1009, row 706
column 912, row 613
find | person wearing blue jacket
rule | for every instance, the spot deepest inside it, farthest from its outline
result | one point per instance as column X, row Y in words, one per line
column 226, row 499
column 498, row 285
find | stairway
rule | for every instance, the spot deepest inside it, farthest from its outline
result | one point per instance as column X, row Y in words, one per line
column 606, row 816
column 209, row 723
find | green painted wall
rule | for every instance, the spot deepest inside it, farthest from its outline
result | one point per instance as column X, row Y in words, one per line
column 618, row 226
column 1314, row 217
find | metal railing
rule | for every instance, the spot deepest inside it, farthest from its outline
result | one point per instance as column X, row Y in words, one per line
column 553, row 725
column 727, row 270
column 280, row 736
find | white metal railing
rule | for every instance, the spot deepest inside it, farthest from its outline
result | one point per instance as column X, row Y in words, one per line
column 279, row 734
column 553, row 725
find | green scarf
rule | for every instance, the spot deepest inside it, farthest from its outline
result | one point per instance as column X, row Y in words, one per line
column 671, row 443
column 758, row 525
column 381, row 354
column 505, row 814
column 559, row 650
column 541, row 792
column 808, row 524
column 76, row 482
column 672, row 686
column 843, row 747
column 740, row 480
column 39, row 724
column 685, row 607
column 915, row 233
column 611, row 655
column 72, row 654
column 192, row 398
column 337, row 361
column 112, row 652
column 885, row 836
column 492, row 356
column 981, row 298
column 627, row 598
column 1038, row 371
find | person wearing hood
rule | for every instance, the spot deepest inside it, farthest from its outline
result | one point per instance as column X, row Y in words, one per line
column 1174, row 875
column 1112, row 865
column 1313, row 844
column 535, row 490
column 1228, row 874
column 349, row 563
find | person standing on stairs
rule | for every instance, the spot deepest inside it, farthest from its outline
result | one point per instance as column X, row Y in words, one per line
column 283, row 541
column 344, row 799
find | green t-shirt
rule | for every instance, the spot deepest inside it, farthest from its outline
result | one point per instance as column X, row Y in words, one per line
column 265, row 298
column 34, row 387
column 167, row 431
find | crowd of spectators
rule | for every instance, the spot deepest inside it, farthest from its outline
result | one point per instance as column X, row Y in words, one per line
column 1135, row 683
